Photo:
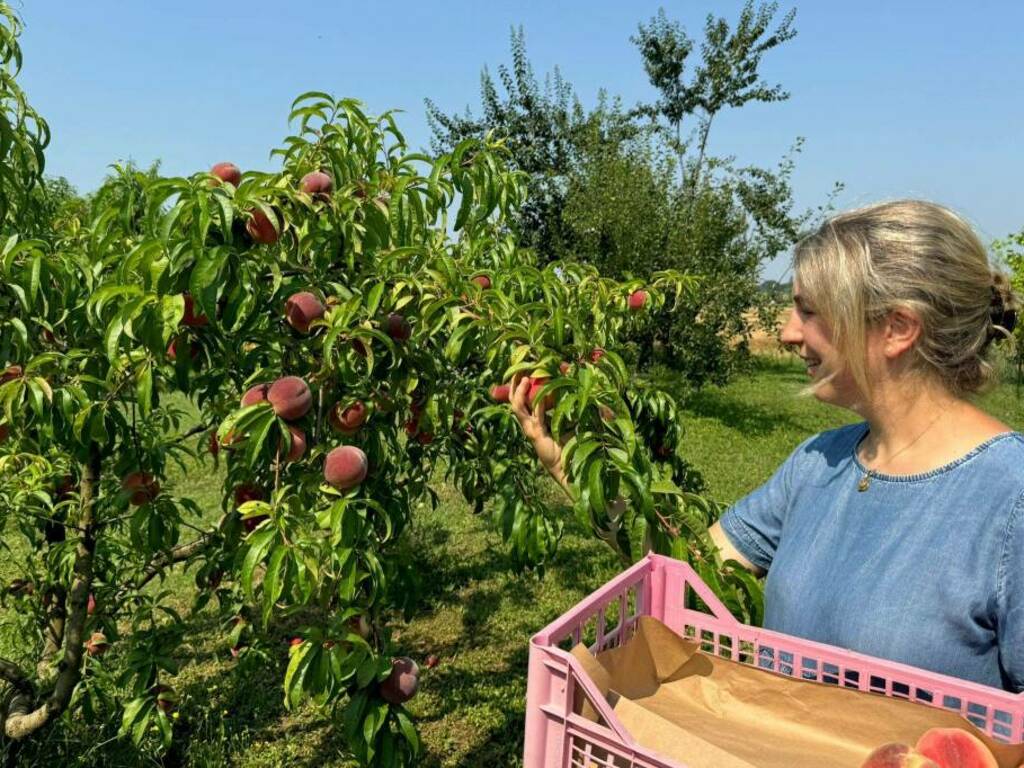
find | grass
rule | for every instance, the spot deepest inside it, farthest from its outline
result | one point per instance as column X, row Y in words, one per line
column 478, row 613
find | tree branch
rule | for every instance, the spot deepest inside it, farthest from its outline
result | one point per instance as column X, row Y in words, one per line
column 178, row 554
column 12, row 673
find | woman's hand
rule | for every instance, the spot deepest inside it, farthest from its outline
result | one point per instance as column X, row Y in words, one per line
column 549, row 452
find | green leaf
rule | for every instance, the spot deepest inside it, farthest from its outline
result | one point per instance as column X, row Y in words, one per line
column 144, row 387
column 259, row 543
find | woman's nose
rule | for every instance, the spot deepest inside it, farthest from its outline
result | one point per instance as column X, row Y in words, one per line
column 791, row 331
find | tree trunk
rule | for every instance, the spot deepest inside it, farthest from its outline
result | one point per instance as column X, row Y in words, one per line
column 22, row 721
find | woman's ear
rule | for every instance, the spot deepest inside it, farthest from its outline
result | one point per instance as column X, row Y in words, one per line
column 902, row 329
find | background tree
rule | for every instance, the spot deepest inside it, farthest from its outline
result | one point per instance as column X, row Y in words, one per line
column 616, row 188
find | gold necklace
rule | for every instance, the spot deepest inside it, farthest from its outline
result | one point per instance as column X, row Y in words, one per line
column 866, row 480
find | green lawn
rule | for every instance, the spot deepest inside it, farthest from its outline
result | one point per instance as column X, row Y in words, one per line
column 470, row 709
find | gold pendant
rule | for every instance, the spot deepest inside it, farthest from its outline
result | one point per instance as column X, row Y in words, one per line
column 863, row 484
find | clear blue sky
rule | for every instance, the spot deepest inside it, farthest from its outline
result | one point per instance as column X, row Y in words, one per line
column 895, row 99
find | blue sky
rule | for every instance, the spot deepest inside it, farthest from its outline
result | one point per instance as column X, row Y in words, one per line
column 894, row 98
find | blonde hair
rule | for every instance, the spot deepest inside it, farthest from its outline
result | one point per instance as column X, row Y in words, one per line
column 915, row 255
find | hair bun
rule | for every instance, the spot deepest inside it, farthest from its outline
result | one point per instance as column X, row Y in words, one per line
column 1003, row 309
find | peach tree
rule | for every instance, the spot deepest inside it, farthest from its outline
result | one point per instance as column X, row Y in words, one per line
column 344, row 327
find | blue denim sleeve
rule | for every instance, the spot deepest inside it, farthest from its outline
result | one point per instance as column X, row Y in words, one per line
column 1010, row 597
column 754, row 523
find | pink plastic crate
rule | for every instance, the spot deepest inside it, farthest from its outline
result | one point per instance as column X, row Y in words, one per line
column 657, row 586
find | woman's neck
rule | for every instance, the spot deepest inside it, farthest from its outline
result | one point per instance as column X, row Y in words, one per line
column 900, row 423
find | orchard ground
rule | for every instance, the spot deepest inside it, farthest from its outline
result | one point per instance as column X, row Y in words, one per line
column 470, row 707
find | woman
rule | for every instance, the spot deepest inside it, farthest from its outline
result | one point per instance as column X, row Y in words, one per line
column 901, row 536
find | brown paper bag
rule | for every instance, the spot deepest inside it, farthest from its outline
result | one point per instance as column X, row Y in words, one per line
column 705, row 711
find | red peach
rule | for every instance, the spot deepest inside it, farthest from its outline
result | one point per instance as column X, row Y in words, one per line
column 397, row 327
column 290, row 398
column 256, row 394
column 637, row 299
column 244, row 493
column 10, row 373
column 252, row 523
column 298, row 447
column 190, row 318
column 165, row 697
column 895, row 755
column 303, row 308
column 402, row 683
column 90, row 605
column 318, row 184
column 956, row 748
column 348, row 420
column 596, row 354
column 97, row 644
column 536, row 384
column 500, row 393
column 228, row 172
column 564, row 368
column 345, row 467
column 261, row 228
column 172, row 348
column 482, row 280
column 142, row 486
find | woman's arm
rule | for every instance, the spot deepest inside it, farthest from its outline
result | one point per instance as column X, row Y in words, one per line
column 729, row 552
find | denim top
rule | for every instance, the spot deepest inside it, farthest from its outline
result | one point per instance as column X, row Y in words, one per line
column 924, row 569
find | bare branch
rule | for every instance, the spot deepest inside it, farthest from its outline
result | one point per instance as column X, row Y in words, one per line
column 178, row 554
column 12, row 673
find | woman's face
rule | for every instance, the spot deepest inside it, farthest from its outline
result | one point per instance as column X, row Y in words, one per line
column 811, row 338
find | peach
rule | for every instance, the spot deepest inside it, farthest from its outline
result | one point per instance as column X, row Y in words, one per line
column 10, row 373
column 190, row 318
column 318, row 184
column 955, row 748
column 172, row 348
column 97, row 644
column 252, row 523
column 228, row 172
column 397, row 327
column 165, row 697
column 536, row 384
column 564, row 367
column 596, row 354
column 290, row 397
column 261, row 228
column 482, row 280
column 897, row 755
column 142, row 486
column 348, row 420
column 500, row 393
column 637, row 299
column 345, row 467
column 301, row 309
column 298, row 448
column 244, row 493
column 402, row 683
column 256, row 394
